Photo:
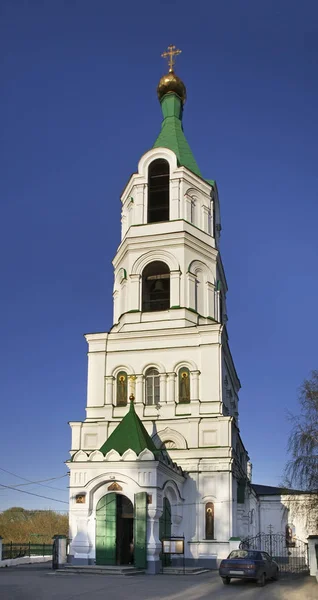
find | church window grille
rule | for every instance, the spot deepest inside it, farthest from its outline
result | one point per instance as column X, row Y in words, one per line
column 209, row 521
column 155, row 287
column 121, row 391
column 152, row 380
column 158, row 191
column 184, row 385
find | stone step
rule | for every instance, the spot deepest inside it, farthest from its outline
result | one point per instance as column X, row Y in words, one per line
column 129, row 571
column 186, row 571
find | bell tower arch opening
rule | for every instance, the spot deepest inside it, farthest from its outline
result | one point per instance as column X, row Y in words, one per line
column 158, row 191
column 155, row 287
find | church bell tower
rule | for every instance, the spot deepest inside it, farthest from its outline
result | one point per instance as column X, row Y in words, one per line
column 168, row 351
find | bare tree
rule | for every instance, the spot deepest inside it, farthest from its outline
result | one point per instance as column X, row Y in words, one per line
column 302, row 468
column 301, row 471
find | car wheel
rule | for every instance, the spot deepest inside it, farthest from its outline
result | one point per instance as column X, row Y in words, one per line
column 261, row 580
column 226, row 580
column 275, row 577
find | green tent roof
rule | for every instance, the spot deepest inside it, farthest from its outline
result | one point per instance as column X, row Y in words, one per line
column 171, row 135
column 129, row 433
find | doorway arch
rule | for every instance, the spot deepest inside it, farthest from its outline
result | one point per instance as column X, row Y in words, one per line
column 114, row 530
column 121, row 530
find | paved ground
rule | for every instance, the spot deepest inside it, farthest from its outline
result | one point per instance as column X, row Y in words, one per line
column 38, row 582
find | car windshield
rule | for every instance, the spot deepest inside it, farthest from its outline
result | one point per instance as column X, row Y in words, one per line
column 244, row 554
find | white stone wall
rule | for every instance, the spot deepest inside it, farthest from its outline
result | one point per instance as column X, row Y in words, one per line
column 191, row 198
column 185, row 243
column 279, row 511
column 201, row 436
column 91, row 475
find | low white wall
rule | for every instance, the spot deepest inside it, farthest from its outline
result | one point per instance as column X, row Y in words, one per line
column 25, row 560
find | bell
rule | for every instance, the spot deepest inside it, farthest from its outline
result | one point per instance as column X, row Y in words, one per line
column 158, row 287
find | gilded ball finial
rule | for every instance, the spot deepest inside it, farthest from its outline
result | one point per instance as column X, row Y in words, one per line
column 171, row 83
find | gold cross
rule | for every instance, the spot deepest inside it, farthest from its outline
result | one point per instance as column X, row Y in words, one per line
column 169, row 54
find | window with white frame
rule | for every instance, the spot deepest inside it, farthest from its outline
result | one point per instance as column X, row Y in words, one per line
column 152, row 386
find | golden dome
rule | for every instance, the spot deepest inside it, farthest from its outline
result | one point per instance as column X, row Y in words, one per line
column 171, row 84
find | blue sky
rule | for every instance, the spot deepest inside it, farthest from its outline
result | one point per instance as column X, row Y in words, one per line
column 78, row 109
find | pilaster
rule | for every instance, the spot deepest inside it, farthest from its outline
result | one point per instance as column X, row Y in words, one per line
column 206, row 219
column 139, row 389
column 171, row 378
column 211, row 298
column 163, row 388
column 194, row 385
column 218, row 306
column 116, row 299
column 187, row 206
column 95, row 383
column 191, row 290
column 175, row 288
column 110, row 383
column 139, row 202
column 175, row 199
column 134, row 293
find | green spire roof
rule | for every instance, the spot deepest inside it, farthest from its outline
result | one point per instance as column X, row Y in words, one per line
column 171, row 135
column 129, row 433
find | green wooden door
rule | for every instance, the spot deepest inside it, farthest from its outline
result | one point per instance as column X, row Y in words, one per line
column 106, row 530
column 140, row 530
column 165, row 529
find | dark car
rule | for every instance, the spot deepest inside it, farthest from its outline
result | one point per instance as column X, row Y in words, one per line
column 248, row 564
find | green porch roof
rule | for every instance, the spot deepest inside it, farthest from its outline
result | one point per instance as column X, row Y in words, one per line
column 171, row 135
column 129, row 433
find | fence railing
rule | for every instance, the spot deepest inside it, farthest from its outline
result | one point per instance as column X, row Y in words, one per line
column 18, row 550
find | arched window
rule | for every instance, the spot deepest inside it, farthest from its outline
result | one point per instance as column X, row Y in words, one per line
column 155, row 287
column 184, row 385
column 121, row 388
column 152, row 381
column 209, row 521
column 158, row 191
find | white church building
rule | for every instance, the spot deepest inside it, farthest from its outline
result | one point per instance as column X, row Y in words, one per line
column 159, row 454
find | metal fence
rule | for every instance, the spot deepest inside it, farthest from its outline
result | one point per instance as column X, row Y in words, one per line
column 291, row 558
column 18, row 550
